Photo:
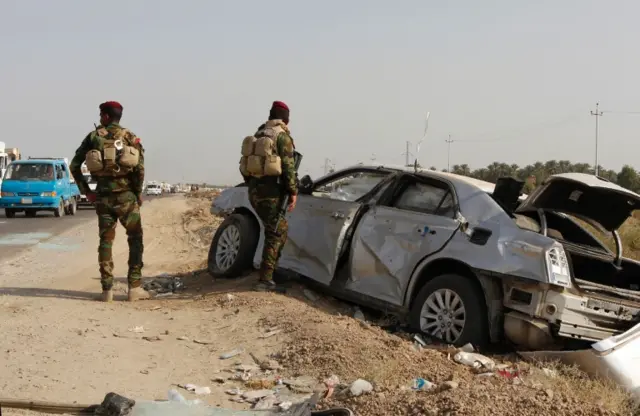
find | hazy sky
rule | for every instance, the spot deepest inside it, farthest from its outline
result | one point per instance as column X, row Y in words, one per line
column 195, row 77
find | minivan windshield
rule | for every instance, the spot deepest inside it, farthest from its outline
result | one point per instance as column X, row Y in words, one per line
column 30, row 172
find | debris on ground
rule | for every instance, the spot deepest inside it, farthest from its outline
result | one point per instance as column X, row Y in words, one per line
column 163, row 284
column 115, row 405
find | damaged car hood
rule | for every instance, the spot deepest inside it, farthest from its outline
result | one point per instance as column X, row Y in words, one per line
column 586, row 196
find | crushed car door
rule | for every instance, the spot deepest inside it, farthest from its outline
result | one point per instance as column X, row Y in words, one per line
column 318, row 224
column 393, row 237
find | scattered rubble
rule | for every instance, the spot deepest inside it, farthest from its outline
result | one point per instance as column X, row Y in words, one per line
column 163, row 284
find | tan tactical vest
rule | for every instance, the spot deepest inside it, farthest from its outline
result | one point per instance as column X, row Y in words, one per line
column 113, row 154
column 260, row 154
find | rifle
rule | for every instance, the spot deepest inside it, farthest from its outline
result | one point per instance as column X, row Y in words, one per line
column 297, row 159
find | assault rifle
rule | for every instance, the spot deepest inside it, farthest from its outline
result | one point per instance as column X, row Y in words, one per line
column 297, row 158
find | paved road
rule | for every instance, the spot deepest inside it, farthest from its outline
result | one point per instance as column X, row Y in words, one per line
column 19, row 233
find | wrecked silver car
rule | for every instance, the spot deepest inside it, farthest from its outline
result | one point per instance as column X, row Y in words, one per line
column 463, row 260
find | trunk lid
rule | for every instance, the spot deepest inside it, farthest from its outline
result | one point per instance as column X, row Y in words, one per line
column 586, row 196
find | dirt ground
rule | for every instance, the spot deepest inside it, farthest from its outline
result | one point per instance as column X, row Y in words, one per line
column 60, row 345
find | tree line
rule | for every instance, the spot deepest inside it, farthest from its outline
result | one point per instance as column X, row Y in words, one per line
column 534, row 174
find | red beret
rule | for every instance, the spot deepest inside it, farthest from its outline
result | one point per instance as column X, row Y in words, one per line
column 280, row 104
column 110, row 104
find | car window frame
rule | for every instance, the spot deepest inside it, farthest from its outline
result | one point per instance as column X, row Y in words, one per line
column 392, row 194
column 386, row 173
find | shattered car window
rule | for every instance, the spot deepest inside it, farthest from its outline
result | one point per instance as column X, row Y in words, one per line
column 425, row 198
column 352, row 187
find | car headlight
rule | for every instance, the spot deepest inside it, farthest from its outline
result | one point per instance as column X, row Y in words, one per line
column 52, row 193
column 558, row 267
column 8, row 194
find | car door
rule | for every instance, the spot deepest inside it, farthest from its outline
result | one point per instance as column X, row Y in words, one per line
column 416, row 219
column 318, row 224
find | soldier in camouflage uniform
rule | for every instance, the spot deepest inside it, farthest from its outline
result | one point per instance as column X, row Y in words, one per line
column 266, row 193
column 118, row 196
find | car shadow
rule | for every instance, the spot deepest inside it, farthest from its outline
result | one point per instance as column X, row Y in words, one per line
column 199, row 285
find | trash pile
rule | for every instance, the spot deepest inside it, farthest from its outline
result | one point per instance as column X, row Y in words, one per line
column 117, row 405
column 163, row 284
column 404, row 373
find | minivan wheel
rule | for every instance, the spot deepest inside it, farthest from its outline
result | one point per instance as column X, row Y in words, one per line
column 233, row 246
column 450, row 308
column 60, row 211
column 72, row 207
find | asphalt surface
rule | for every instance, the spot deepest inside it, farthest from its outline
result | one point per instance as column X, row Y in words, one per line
column 20, row 233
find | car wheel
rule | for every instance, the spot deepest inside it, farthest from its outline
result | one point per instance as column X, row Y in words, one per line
column 233, row 246
column 59, row 212
column 450, row 308
column 72, row 207
column 31, row 213
column 10, row 213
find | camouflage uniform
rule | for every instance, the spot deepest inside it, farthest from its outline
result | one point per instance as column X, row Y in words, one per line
column 266, row 195
column 117, row 200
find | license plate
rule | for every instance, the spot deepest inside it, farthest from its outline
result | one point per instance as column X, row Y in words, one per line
column 26, row 200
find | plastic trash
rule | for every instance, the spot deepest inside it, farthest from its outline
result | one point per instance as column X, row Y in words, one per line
column 232, row 353
column 474, row 360
column 174, row 396
column 422, row 384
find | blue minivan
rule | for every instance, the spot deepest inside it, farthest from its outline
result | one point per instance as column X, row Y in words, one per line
column 43, row 184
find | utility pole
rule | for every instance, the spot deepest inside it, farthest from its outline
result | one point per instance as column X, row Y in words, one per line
column 598, row 114
column 406, row 160
column 407, row 154
column 449, row 141
column 326, row 165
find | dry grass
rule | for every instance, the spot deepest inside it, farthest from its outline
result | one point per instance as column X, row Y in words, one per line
column 629, row 234
column 571, row 381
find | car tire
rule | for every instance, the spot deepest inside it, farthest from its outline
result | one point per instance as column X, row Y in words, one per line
column 31, row 213
column 59, row 212
column 10, row 213
column 239, row 234
column 474, row 330
column 72, row 207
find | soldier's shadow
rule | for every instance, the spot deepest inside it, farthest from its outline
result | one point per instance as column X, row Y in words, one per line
column 36, row 292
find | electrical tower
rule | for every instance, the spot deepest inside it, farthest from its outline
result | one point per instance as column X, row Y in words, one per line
column 598, row 114
column 449, row 141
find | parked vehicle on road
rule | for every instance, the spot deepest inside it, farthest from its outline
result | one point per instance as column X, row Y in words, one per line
column 154, row 189
column 82, row 199
column 461, row 259
column 7, row 155
column 42, row 184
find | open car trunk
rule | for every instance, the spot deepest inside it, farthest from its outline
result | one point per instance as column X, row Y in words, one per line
column 611, row 282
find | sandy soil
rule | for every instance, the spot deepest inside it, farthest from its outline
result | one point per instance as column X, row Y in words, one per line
column 60, row 345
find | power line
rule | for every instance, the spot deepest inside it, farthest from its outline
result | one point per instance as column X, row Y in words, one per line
column 528, row 130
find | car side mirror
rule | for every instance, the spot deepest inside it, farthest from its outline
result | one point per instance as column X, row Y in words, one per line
column 306, row 184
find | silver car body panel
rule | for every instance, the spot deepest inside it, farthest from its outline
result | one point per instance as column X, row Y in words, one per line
column 316, row 231
column 380, row 266
column 387, row 245
column 616, row 358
